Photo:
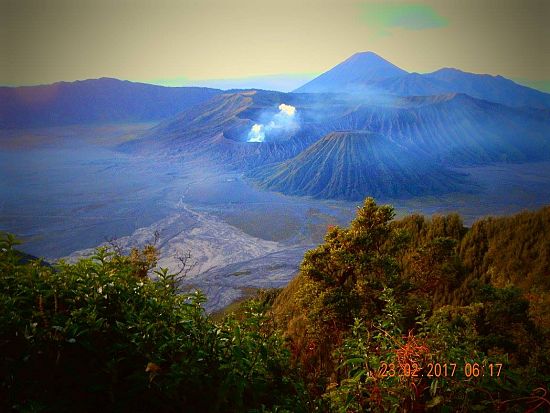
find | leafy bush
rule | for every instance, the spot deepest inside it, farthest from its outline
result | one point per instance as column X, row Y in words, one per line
column 99, row 335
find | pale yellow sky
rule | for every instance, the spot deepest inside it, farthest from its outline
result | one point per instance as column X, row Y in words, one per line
column 43, row 41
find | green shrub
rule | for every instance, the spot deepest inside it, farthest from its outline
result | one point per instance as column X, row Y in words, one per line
column 98, row 335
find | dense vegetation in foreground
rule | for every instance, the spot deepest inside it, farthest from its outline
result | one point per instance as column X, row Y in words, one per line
column 385, row 315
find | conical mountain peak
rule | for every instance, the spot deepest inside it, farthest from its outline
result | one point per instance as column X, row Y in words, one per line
column 360, row 69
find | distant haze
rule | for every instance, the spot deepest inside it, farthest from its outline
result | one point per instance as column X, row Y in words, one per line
column 200, row 42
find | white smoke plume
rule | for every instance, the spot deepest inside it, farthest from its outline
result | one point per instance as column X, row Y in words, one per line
column 283, row 121
column 256, row 133
column 289, row 110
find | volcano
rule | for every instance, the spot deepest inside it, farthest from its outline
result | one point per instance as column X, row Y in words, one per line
column 352, row 165
column 360, row 69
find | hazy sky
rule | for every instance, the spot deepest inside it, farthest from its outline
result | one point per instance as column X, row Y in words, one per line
column 248, row 41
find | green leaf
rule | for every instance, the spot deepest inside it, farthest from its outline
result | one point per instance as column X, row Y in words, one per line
column 434, row 402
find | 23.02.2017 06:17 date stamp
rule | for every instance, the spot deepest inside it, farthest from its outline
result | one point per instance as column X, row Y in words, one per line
column 464, row 370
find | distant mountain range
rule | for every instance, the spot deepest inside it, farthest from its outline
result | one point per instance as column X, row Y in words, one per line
column 406, row 149
column 94, row 101
column 368, row 73
column 365, row 127
column 347, row 148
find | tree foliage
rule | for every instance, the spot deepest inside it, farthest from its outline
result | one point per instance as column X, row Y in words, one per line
column 386, row 315
column 418, row 293
column 99, row 335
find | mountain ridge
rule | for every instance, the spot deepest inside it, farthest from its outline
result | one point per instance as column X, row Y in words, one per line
column 372, row 74
column 454, row 128
column 94, row 101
